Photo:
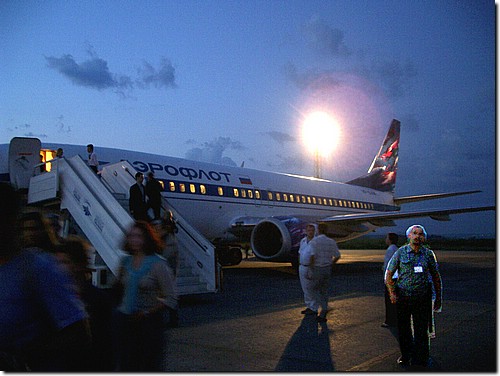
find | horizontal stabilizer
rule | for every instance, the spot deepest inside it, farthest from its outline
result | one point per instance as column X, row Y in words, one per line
column 432, row 196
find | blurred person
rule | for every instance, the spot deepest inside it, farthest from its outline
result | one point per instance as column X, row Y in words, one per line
column 59, row 153
column 73, row 254
column 153, row 191
column 43, row 324
column 37, row 231
column 391, row 314
column 412, row 294
column 304, row 260
column 92, row 162
column 324, row 253
column 148, row 290
column 167, row 230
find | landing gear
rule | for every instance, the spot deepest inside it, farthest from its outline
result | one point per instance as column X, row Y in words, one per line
column 228, row 255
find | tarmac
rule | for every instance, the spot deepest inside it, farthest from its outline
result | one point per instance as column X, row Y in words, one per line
column 255, row 324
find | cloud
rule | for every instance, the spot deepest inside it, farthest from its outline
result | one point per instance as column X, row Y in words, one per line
column 34, row 135
column 164, row 77
column 312, row 80
column 94, row 73
column 394, row 75
column 212, row 151
column 61, row 126
column 324, row 39
column 280, row 137
column 294, row 163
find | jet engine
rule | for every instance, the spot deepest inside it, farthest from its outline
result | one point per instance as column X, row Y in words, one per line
column 278, row 238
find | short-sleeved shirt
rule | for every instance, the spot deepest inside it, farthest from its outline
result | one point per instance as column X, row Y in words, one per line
column 36, row 298
column 388, row 255
column 305, row 251
column 414, row 269
column 323, row 249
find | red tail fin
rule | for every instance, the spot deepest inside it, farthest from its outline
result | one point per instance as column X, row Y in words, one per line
column 382, row 173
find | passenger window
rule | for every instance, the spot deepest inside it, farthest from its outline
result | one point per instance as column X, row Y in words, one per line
column 171, row 185
column 270, row 196
column 250, row 193
column 203, row 189
column 314, row 200
column 192, row 188
column 308, row 199
column 236, row 192
column 278, row 196
column 243, row 193
column 285, row 197
column 182, row 187
column 292, row 198
column 257, row 195
column 220, row 191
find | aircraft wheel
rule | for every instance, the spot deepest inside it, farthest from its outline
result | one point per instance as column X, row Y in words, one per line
column 235, row 256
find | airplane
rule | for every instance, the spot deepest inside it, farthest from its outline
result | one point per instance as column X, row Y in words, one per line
column 268, row 210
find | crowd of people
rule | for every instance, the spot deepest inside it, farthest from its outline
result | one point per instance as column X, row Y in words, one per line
column 52, row 319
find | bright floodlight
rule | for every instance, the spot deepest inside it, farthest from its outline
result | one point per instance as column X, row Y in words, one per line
column 320, row 133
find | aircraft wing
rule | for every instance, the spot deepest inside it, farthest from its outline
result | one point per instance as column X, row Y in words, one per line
column 387, row 218
column 408, row 199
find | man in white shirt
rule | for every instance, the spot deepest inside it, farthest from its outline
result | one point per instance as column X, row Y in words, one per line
column 391, row 314
column 92, row 162
column 324, row 253
column 304, row 259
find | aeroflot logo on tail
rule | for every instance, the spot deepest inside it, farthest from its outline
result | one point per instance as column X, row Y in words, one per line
column 187, row 172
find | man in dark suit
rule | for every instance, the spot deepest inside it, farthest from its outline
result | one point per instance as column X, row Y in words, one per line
column 153, row 190
column 137, row 201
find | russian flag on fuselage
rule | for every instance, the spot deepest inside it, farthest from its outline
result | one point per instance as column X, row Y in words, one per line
column 245, row 180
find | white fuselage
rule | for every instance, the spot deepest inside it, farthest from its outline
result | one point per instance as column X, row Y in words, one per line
column 214, row 197
column 211, row 197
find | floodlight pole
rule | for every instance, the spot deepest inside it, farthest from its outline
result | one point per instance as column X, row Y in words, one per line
column 317, row 167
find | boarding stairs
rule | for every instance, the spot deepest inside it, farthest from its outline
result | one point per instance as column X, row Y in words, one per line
column 98, row 204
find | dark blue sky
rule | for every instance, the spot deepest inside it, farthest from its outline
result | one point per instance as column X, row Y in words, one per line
column 231, row 81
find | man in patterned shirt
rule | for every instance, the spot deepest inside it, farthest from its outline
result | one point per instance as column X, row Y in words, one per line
column 412, row 294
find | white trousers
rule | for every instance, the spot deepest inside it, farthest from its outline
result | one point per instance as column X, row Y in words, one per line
column 308, row 289
column 321, row 277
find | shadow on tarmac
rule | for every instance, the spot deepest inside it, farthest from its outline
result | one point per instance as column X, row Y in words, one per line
column 308, row 350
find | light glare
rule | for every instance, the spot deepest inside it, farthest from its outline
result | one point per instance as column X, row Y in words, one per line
column 320, row 133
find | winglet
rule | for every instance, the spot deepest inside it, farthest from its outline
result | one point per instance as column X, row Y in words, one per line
column 382, row 172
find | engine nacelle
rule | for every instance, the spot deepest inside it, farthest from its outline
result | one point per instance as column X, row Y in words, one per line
column 278, row 238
